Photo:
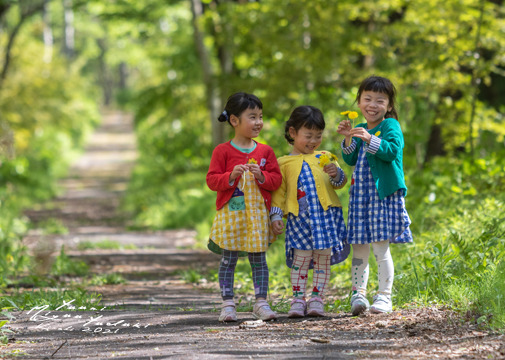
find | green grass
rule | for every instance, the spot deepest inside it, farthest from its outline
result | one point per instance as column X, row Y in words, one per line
column 105, row 244
column 53, row 298
column 107, row 279
column 64, row 265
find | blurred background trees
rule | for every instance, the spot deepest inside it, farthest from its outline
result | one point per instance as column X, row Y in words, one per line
column 174, row 63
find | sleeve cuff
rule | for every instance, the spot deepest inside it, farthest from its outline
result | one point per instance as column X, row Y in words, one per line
column 341, row 178
column 374, row 145
column 276, row 212
column 350, row 149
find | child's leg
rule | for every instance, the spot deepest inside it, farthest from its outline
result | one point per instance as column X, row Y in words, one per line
column 227, row 273
column 360, row 254
column 385, row 266
column 261, row 309
column 259, row 268
column 299, row 272
column 321, row 271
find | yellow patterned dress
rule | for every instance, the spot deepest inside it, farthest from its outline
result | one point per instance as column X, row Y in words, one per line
column 243, row 223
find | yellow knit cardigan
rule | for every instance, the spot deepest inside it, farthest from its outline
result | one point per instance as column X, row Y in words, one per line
column 285, row 197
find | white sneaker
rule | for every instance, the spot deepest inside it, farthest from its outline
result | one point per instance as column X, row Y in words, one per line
column 381, row 304
column 262, row 311
column 359, row 304
column 228, row 312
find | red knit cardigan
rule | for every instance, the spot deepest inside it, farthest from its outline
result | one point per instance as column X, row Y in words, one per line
column 225, row 157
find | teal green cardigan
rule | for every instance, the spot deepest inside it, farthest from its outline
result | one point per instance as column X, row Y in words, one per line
column 387, row 163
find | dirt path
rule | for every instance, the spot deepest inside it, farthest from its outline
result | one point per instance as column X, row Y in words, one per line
column 157, row 316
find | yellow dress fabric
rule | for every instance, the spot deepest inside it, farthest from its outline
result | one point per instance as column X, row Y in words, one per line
column 244, row 229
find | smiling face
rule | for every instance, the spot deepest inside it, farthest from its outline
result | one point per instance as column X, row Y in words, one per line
column 249, row 124
column 373, row 106
column 305, row 141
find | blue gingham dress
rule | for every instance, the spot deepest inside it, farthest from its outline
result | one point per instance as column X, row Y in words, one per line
column 314, row 228
column 370, row 218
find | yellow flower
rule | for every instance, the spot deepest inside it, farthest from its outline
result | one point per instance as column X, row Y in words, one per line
column 353, row 115
column 326, row 158
column 252, row 161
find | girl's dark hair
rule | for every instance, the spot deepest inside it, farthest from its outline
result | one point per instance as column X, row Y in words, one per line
column 304, row 116
column 381, row 85
column 237, row 103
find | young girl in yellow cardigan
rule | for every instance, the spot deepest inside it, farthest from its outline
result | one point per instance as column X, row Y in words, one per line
column 315, row 228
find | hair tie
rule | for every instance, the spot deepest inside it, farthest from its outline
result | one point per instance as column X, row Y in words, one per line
column 225, row 114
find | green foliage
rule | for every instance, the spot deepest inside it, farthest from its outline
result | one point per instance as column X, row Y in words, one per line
column 27, row 300
column 191, row 276
column 105, row 244
column 53, row 226
column 3, row 330
column 107, row 279
column 64, row 265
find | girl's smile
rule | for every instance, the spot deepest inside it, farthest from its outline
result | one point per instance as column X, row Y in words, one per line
column 373, row 106
column 305, row 141
column 248, row 125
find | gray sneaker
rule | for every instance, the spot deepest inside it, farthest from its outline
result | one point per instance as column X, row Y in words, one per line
column 381, row 304
column 262, row 311
column 228, row 312
column 359, row 304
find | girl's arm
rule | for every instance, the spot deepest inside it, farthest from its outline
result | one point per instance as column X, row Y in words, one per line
column 340, row 180
column 391, row 144
column 350, row 153
column 271, row 171
column 218, row 179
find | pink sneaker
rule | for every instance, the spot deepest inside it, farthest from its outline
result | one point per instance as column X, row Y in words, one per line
column 298, row 308
column 315, row 307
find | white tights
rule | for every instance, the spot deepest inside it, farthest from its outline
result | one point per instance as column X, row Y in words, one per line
column 360, row 268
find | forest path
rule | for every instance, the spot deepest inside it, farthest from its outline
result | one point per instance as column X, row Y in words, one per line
column 156, row 315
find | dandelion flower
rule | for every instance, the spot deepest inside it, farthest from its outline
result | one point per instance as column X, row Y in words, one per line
column 352, row 115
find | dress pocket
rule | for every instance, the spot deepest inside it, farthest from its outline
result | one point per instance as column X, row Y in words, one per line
column 237, row 201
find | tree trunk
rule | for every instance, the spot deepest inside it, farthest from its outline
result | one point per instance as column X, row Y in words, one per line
column 123, row 75
column 47, row 34
column 104, row 80
column 68, row 29
column 213, row 100
column 26, row 12
column 435, row 146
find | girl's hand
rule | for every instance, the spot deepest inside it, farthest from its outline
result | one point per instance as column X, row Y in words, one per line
column 362, row 134
column 237, row 172
column 344, row 128
column 256, row 171
column 331, row 169
column 277, row 227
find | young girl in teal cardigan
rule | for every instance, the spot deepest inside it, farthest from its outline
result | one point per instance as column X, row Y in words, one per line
column 377, row 213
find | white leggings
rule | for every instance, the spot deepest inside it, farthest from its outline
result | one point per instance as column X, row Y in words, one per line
column 360, row 270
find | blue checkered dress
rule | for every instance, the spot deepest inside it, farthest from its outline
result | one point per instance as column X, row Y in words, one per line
column 315, row 228
column 370, row 218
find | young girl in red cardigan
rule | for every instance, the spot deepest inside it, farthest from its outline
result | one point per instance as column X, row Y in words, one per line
column 244, row 173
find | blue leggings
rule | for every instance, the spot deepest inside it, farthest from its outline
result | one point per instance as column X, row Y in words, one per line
column 259, row 268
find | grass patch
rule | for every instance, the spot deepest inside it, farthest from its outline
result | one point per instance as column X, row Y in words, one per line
column 107, row 279
column 26, row 300
column 64, row 265
column 105, row 245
